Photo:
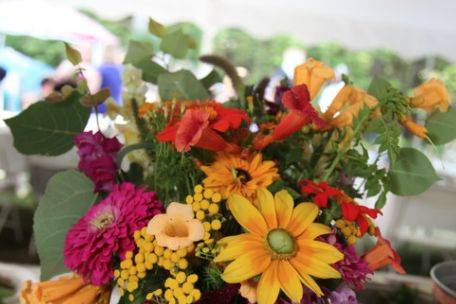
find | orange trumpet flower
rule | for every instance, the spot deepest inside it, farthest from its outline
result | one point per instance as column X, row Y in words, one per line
column 382, row 254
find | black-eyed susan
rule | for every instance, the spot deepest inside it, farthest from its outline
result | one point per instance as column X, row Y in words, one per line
column 234, row 174
column 279, row 246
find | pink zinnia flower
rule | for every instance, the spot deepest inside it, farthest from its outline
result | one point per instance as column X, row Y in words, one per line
column 107, row 229
column 97, row 158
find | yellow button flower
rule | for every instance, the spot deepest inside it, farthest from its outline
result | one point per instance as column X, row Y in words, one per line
column 279, row 246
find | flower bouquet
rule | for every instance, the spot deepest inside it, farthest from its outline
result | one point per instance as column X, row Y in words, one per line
column 250, row 201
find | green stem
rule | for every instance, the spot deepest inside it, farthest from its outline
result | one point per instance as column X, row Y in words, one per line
column 341, row 150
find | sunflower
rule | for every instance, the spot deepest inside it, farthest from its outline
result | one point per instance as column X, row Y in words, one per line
column 278, row 246
column 233, row 174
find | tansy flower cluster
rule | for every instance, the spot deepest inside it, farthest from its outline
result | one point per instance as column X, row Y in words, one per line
column 206, row 203
column 254, row 198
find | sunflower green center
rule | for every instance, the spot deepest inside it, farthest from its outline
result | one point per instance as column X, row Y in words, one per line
column 242, row 175
column 281, row 242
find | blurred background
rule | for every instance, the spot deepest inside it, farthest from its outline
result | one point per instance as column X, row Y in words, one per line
column 405, row 41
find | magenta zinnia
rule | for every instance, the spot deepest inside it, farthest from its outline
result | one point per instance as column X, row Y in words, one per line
column 97, row 158
column 106, row 229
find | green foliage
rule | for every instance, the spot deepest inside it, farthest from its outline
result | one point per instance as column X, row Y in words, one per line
column 412, row 173
column 175, row 43
column 212, row 277
column 97, row 98
column 173, row 175
column 5, row 293
column 73, row 54
column 388, row 139
column 260, row 57
column 210, row 79
column 441, row 126
column 68, row 196
column 156, row 28
column 48, row 128
column 47, row 51
column 181, row 85
column 140, row 55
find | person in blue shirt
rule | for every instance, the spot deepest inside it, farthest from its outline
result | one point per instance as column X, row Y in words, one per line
column 2, row 73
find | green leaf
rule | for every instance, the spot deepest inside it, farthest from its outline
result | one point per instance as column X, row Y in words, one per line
column 139, row 54
column 175, row 43
column 210, row 79
column 388, row 139
column 381, row 201
column 48, row 128
column 67, row 198
column 156, row 28
column 72, row 54
column 412, row 173
column 181, row 85
column 379, row 87
column 441, row 126
column 97, row 98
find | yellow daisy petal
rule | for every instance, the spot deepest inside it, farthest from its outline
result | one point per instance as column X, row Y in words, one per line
column 315, row 267
column 315, row 230
column 269, row 286
column 267, row 208
column 289, row 281
column 305, row 278
column 325, row 252
column 303, row 215
column 284, row 208
column 246, row 266
column 247, row 215
column 243, row 243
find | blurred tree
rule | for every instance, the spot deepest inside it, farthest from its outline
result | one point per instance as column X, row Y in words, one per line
column 47, row 51
column 259, row 57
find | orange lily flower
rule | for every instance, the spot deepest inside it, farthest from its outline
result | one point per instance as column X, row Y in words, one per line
column 313, row 74
column 413, row 127
column 300, row 113
column 382, row 254
column 70, row 289
column 202, row 126
column 430, row 96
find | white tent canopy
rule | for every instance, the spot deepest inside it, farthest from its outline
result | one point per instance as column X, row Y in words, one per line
column 45, row 20
column 412, row 28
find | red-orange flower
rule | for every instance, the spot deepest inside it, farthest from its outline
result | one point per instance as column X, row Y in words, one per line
column 321, row 191
column 354, row 212
column 382, row 254
column 202, row 126
column 300, row 113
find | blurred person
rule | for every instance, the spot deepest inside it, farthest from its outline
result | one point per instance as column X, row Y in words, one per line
column 66, row 70
column 2, row 75
column 111, row 75
column 47, row 87
column 291, row 58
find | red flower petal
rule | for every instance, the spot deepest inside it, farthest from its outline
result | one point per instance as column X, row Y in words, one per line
column 290, row 123
column 168, row 133
column 191, row 129
column 321, row 200
column 350, row 211
column 296, row 98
